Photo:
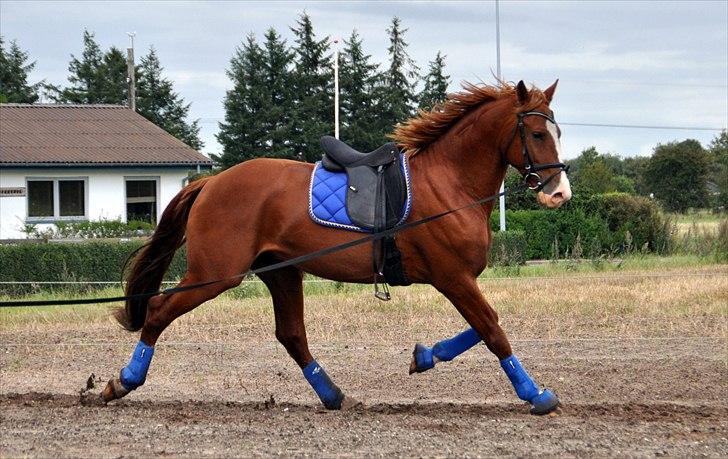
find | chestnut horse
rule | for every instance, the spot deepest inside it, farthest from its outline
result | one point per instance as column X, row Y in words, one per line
column 255, row 214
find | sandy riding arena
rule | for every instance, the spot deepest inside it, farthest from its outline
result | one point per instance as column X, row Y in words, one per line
column 638, row 359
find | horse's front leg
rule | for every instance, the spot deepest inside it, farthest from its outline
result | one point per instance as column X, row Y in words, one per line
column 469, row 301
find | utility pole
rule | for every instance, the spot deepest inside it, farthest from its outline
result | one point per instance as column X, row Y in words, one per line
column 502, row 200
column 131, row 77
column 336, row 88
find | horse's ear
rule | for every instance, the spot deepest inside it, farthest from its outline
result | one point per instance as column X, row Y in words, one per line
column 522, row 92
column 549, row 92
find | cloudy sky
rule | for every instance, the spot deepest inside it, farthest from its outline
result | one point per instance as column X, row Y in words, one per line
column 619, row 63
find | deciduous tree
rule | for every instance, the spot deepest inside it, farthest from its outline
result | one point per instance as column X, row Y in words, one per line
column 677, row 175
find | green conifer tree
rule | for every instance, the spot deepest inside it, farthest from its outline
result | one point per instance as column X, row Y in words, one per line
column 14, row 71
column 397, row 97
column 358, row 80
column 312, row 91
column 159, row 103
column 85, row 86
column 112, row 78
column 276, row 116
column 436, row 83
column 242, row 135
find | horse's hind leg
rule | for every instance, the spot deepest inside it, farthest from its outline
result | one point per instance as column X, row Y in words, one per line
column 286, row 289
column 161, row 311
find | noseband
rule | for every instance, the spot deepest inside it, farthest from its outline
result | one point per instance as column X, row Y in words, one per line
column 531, row 175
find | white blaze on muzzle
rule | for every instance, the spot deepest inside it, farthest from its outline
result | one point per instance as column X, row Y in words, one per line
column 561, row 183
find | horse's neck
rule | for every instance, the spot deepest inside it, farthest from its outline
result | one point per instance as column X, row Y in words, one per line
column 468, row 157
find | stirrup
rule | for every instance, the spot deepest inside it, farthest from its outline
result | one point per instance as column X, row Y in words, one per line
column 382, row 294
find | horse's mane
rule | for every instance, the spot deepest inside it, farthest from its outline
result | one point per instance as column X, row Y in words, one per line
column 422, row 130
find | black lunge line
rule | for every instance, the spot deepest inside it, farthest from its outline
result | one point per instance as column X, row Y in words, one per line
column 282, row 264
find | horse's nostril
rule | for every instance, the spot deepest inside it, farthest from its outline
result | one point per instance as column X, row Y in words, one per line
column 559, row 196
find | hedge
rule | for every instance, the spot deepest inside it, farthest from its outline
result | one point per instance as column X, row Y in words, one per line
column 553, row 233
column 601, row 224
column 81, row 262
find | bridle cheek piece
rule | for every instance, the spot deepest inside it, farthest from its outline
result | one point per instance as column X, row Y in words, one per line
column 531, row 175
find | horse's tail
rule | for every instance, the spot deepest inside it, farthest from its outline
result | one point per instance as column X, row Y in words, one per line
column 151, row 260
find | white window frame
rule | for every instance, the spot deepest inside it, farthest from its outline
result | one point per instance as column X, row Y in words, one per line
column 56, row 217
column 144, row 178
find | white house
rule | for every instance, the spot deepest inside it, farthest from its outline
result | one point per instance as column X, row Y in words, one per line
column 86, row 162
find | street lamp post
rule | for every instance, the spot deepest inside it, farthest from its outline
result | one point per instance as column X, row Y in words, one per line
column 336, row 88
column 502, row 200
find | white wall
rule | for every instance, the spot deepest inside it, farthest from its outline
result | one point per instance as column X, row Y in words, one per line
column 106, row 192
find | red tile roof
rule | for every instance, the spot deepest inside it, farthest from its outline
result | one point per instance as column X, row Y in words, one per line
column 70, row 135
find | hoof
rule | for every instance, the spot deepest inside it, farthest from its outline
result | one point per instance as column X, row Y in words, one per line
column 422, row 359
column 544, row 403
column 113, row 390
column 350, row 403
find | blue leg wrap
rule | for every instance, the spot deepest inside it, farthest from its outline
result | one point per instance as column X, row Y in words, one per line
column 327, row 391
column 445, row 350
column 525, row 386
column 448, row 349
column 542, row 401
column 134, row 374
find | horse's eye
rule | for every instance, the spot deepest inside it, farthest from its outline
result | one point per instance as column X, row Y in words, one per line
column 538, row 135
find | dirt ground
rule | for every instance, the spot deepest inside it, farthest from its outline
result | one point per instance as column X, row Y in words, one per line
column 645, row 375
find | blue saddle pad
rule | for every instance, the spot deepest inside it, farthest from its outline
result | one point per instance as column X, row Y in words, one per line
column 327, row 198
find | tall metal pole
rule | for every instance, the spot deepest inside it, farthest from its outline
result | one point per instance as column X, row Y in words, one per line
column 502, row 200
column 336, row 88
column 130, row 71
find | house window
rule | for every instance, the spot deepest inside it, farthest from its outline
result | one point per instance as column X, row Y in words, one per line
column 56, row 199
column 141, row 200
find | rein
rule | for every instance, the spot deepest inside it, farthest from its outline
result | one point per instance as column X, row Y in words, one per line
column 293, row 261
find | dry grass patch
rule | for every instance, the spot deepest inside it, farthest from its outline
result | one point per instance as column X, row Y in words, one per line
column 691, row 301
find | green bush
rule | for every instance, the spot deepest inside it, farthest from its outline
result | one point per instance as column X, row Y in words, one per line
column 70, row 262
column 508, row 248
column 93, row 230
column 552, row 233
column 634, row 222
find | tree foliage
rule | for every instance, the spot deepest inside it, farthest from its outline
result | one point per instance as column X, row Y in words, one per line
column 677, row 175
column 718, row 175
column 159, row 103
column 398, row 81
column 14, row 72
column 99, row 77
column 313, row 114
column 358, row 80
column 241, row 135
column 86, row 85
column 436, row 83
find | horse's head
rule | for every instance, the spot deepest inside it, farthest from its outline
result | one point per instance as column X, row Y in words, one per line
column 535, row 147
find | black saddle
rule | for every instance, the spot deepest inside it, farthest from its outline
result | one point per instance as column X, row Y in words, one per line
column 375, row 200
column 377, row 192
column 338, row 155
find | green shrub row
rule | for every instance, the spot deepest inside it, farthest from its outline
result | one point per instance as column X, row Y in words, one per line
column 91, row 230
column 603, row 224
column 70, row 262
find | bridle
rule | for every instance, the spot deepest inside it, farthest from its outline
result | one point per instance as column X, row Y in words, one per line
column 531, row 175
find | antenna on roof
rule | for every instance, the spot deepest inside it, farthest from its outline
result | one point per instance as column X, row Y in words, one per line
column 130, row 74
